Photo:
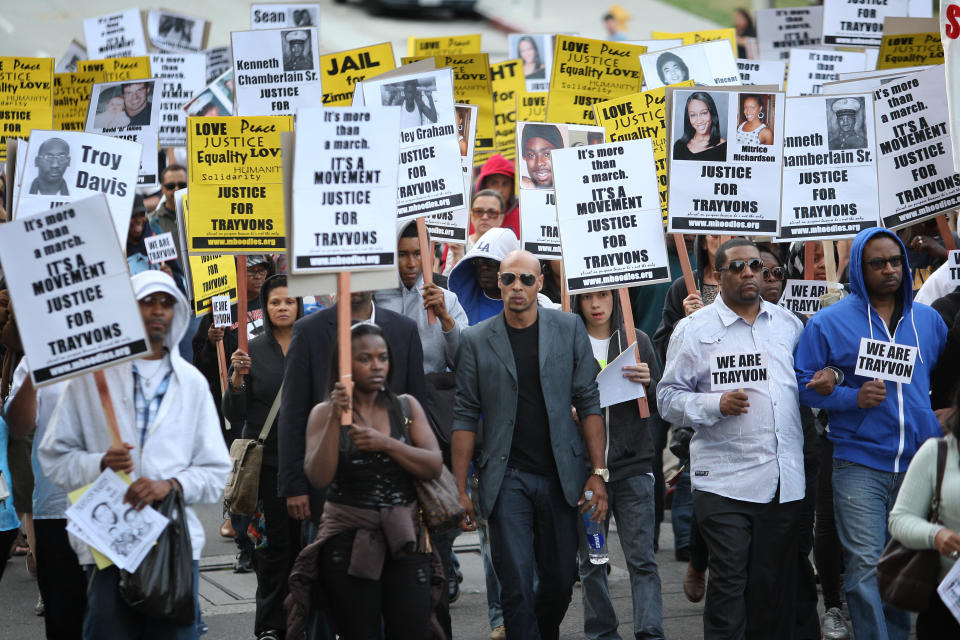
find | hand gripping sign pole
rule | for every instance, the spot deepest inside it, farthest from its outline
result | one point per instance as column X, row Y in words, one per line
column 344, row 357
column 426, row 261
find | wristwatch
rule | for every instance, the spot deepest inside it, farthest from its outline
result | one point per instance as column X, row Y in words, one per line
column 603, row 473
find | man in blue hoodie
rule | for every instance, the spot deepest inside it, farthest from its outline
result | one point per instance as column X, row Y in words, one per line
column 875, row 426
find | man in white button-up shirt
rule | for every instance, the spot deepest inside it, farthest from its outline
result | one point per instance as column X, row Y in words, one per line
column 729, row 374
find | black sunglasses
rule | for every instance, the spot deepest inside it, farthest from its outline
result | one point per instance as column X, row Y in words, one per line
column 736, row 266
column 526, row 279
column 777, row 273
column 877, row 264
column 170, row 186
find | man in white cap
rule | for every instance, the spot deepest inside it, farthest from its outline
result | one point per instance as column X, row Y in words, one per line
column 295, row 56
column 847, row 136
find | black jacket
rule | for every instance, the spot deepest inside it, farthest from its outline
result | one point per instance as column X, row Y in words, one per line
column 943, row 381
column 673, row 305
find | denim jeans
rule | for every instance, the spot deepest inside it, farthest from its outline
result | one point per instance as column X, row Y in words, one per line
column 494, row 610
column 108, row 616
column 862, row 499
column 681, row 511
column 631, row 502
column 533, row 532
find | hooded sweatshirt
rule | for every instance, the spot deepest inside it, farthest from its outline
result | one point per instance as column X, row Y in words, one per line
column 886, row 436
column 498, row 165
column 495, row 244
column 182, row 442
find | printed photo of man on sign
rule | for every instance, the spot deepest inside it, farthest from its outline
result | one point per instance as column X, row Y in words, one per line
column 537, row 141
column 845, row 124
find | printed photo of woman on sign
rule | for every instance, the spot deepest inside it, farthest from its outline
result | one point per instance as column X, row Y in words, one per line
column 755, row 120
column 700, row 128
column 528, row 50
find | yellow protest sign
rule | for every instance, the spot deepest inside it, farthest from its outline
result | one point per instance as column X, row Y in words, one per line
column 587, row 71
column 910, row 50
column 693, row 37
column 341, row 71
column 113, row 69
column 507, row 81
column 637, row 116
column 531, row 107
column 26, row 98
column 71, row 97
column 236, row 184
column 447, row 45
column 213, row 275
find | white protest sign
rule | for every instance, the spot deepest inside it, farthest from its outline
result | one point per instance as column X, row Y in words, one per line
column 72, row 284
column 830, row 188
column 950, row 37
column 74, row 54
column 809, row 69
column 276, row 71
column 881, row 360
column 949, row 590
column 767, row 72
column 452, row 227
column 609, row 217
column 216, row 99
column 65, row 166
column 536, row 143
column 219, row 60
column 170, row 31
column 277, row 16
column 954, row 259
column 803, row 296
column 160, row 247
column 725, row 161
column 779, row 30
column 429, row 179
column 708, row 63
column 222, row 317
column 858, row 23
column 344, row 190
column 116, row 35
column 184, row 75
column 735, row 371
column 129, row 110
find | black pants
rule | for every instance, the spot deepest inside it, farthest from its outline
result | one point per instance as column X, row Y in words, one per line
column 753, row 563
column 658, row 436
column 274, row 562
column 808, row 619
column 827, row 552
column 443, row 543
column 937, row 623
column 62, row 582
column 401, row 595
column 6, row 541
column 699, row 554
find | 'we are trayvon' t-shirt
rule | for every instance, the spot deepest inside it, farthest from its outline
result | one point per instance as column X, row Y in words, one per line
column 531, row 450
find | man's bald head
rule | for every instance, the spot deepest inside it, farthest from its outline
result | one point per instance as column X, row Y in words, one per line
column 520, row 261
column 520, row 281
column 54, row 145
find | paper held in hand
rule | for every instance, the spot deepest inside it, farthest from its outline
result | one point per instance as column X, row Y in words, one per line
column 614, row 388
column 734, row 371
column 879, row 360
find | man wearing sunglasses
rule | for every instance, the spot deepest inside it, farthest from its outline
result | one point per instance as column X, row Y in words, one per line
column 876, row 427
column 746, row 455
column 522, row 370
column 164, row 217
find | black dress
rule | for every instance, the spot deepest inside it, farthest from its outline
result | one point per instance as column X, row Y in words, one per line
column 717, row 153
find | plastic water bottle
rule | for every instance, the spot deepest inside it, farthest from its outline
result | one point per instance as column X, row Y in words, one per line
column 596, row 541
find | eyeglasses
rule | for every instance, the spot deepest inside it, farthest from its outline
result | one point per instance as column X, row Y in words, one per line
column 526, row 279
column 54, row 157
column 777, row 273
column 877, row 264
column 257, row 273
column 170, row 186
column 486, row 213
column 164, row 300
column 737, row 266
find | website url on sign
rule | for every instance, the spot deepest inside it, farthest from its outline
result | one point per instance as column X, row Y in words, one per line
column 333, row 261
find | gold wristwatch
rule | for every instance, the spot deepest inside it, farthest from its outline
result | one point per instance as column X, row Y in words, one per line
column 603, row 473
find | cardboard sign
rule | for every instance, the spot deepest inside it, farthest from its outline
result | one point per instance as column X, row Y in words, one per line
column 779, row 30
column 344, row 69
column 219, row 60
column 803, row 296
column 112, row 69
column 608, row 214
column 183, row 77
column 345, row 190
column 909, row 42
column 68, row 61
column 115, row 35
column 829, row 168
column 696, row 37
column 26, row 98
column 222, row 316
column 531, row 107
column 449, row 45
column 176, row 32
column 130, row 111
column 452, row 227
column 276, row 70
column 587, row 71
column 72, row 283
column 276, row 16
column 954, row 259
column 735, row 371
column 536, row 143
column 535, row 53
column 766, row 72
column 858, row 24
column 236, row 184
column 212, row 276
column 879, row 360
column 71, row 98
column 726, row 154
column 215, row 100
column 810, row 69
column 708, row 63
column 506, row 79
column 160, row 248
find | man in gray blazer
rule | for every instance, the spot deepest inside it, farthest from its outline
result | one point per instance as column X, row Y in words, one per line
column 522, row 371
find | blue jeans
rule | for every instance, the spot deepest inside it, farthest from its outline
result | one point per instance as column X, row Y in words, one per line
column 862, row 499
column 494, row 610
column 533, row 532
column 631, row 502
column 681, row 511
column 108, row 616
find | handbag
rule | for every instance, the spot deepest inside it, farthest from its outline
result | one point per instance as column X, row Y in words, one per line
column 907, row 577
column 439, row 498
column 246, row 454
column 162, row 586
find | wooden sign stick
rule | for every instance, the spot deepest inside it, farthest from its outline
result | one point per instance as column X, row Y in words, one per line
column 242, row 304
column 222, row 362
column 830, row 260
column 809, row 257
column 344, row 356
column 116, row 442
column 426, row 261
column 685, row 267
column 945, row 234
column 564, row 296
column 627, row 310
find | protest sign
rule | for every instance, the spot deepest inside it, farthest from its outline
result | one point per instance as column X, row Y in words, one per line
column 344, row 69
column 212, row 275
column 219, row 60
column 507, row 81
column 803, row 296
column 160, row 248
column 26, row 98
column 608, row 214
column 277, row 16
column 953, row 258
column 696, row 37
column 452, row 226
column 65, row 166
column 949, row 33
column 131, row 111
column 345, row 190
column 736, row 371
column 535, row 145
column 176, row 32
column 779, row 30
column 183, row 76
column 725, row 162
column 276, row 70
column 535, row 52
column 71, row 98
column 531, row 107
column 909, row 42
column 222, row 316
column 879, row 360
column 68, row 62
column 809, row 69
column 448, row 45
column 236, row 184
column 708, row 63
column 586, row 71
column 429, row 179
column 112, row 69
column 829, row 168
column 767, row 72
column 115, row 35
column 859, row 24
column 613, row 387
column 72, row 283
column 215, row 100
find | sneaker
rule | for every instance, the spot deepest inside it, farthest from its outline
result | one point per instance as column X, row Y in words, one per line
column 244, row 563
column 39, row 608
column 500, row 633
column 834, row 627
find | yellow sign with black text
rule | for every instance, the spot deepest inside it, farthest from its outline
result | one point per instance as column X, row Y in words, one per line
column 114, row 69
column 447, row 45
column 910, row 50
column 507, row 81
column 71, row 98
column 212, row 275
column 693, row 37
column 341, row 71
column 531, row 107
column 26, row 98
